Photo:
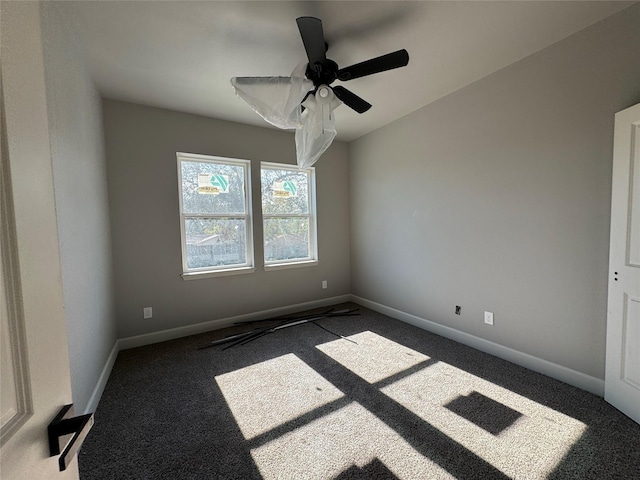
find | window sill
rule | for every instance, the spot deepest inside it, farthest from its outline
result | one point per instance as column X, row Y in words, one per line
column 217, row 273
column 283, row 266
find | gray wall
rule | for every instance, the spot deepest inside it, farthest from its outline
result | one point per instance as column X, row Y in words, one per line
column 80, row 184
column 497, row 198
column 141, row 146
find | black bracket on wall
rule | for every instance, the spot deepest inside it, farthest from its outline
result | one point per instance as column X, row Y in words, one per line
column 62, row 426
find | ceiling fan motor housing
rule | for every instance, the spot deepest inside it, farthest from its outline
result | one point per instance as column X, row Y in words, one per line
column 322, row 73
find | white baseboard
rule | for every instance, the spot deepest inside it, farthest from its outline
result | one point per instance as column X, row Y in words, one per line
column 179, row 332
column 102, row 380
column 559, row 372
column 164, row 335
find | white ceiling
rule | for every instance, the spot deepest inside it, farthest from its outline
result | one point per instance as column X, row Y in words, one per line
column 181, row 55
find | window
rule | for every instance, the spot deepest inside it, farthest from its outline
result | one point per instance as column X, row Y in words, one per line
column 288, row 211
column 215, row 215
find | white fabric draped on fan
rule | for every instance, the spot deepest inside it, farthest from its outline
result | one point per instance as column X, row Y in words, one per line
column 279, row 100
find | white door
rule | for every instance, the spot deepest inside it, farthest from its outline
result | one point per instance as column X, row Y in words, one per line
column 622, row 377
column 35, row 365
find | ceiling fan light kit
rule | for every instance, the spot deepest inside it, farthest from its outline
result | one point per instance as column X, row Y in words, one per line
column 305, row 101
column 318, row 126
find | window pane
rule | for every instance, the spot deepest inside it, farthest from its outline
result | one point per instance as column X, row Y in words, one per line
column 286, row 239
column 212, row 188
column 284, row 191
column 215, row 242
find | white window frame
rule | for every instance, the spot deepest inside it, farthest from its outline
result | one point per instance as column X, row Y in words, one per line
column 312, row 260
column 215, row 271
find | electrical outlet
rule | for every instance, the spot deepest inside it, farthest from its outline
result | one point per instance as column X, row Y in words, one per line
column 488, row 318
column 147, row 312
column 458, row 309
column 324, row 284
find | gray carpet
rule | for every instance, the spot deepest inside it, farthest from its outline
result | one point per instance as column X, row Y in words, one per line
column 301, row 403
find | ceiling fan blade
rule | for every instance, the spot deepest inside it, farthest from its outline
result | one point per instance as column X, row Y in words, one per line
column 351, row 100
column 243, row 81
column 375, row 65
column 276, row 99
column 313, row 39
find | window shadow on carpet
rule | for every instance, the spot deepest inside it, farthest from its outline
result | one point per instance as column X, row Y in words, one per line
column 374, row 469
column 488, row 414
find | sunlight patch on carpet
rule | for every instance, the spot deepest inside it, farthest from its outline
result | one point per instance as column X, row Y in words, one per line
column 374, row 358
column 271, row 393
column 339, row 443
column 460, row 405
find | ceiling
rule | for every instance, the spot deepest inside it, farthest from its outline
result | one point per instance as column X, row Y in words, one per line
column 181, row 55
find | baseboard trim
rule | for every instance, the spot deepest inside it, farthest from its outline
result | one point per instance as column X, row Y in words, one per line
column 171, row 334
column 92, row 405
column 559, row 372
column 179, row 332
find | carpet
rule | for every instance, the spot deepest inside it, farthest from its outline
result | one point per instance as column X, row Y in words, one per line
column 391, row 402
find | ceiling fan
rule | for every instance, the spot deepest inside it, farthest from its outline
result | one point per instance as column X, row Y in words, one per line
column 323, row 71
column 305, row 100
